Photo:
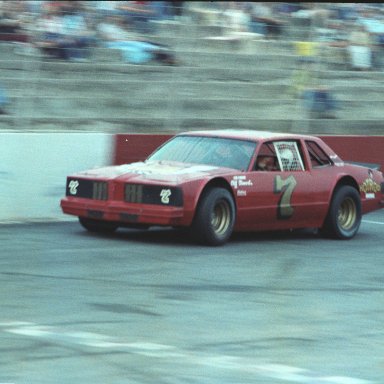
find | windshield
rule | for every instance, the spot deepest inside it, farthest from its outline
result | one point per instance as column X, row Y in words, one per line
column 230, row 153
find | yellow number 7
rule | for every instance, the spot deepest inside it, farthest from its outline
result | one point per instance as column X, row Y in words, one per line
column 285, row 187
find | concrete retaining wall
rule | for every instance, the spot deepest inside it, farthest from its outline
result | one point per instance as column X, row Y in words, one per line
column 34, row 167
column 213, row 87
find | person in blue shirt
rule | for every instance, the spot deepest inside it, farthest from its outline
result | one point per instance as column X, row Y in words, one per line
column 4, row 101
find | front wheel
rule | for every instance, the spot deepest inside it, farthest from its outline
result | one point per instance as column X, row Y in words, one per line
column 99, row 226
column 215, row 217
column 344, row 216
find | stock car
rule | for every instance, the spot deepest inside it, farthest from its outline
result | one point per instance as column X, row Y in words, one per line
column 216, row 182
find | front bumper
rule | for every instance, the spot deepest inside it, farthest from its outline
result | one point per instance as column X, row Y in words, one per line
column 124, row 213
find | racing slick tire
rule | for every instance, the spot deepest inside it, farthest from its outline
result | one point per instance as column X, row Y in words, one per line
column 98, row 226
column 215, row 217
column 344, row 215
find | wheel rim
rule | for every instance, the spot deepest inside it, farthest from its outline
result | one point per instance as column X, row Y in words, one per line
column 347, row 214
column 221, row 217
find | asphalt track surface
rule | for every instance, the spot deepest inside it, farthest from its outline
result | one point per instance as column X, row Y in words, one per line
column 152, row 307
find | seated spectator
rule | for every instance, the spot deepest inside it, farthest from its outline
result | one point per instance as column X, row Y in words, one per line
column 80, row 38
column 360, row 49
column 64, row 33
column 107, row 8
column 176, row 8
column 303, row 78
column 50, row 32
column 264, row 21
column 4, row 101
column 320, row 103
column 374, row 25
column 236, row 18
column 133, row 49
column 11, row 24
column 138, row 14
column 345, row 11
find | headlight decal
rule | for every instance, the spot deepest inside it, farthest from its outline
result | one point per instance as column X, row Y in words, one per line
column 88, row 189
column 153, row 194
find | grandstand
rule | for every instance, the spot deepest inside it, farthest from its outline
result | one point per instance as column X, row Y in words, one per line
column 238, row 82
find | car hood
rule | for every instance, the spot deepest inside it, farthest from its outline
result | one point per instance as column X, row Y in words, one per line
column 169, row 171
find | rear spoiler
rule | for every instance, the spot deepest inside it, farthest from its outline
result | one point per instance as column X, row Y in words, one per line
column 367, row 165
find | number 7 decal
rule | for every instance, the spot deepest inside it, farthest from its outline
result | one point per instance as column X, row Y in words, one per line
column 285, row 187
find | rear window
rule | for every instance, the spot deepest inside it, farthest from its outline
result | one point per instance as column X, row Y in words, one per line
column 318, row 157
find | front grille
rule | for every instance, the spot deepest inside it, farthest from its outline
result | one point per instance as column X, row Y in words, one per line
column 87, row 189
column 100, row 190
column 153, row 194
column 133, row 193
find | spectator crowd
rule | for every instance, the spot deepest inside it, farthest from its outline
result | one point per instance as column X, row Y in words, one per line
column 69, row 30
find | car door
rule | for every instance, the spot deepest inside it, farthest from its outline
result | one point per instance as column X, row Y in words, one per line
column 281, row 197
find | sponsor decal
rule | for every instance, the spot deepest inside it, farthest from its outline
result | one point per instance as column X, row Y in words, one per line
column 73, row 185
column 241, row 181
column 241, row 193
column 369, row 186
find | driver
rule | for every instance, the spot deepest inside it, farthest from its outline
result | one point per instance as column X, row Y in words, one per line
column 266, row 163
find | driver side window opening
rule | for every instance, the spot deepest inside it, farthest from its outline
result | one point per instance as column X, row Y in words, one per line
column 280, row 156
column 289, row 156
column 267, row 159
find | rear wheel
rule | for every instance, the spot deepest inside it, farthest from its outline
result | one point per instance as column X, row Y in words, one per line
column 99, row 226
column 344, row 216
column 215, row 217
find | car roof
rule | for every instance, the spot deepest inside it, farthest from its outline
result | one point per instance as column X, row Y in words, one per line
column 246, row 134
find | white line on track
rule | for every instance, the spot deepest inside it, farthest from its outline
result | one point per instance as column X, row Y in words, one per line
column 88, row 339
column 372, row 222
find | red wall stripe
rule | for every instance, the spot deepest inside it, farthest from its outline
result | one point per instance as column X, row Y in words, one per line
column 136, row 147
column 368, row 149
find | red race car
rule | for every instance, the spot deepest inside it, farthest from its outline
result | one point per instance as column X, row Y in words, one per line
column 217, row 182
